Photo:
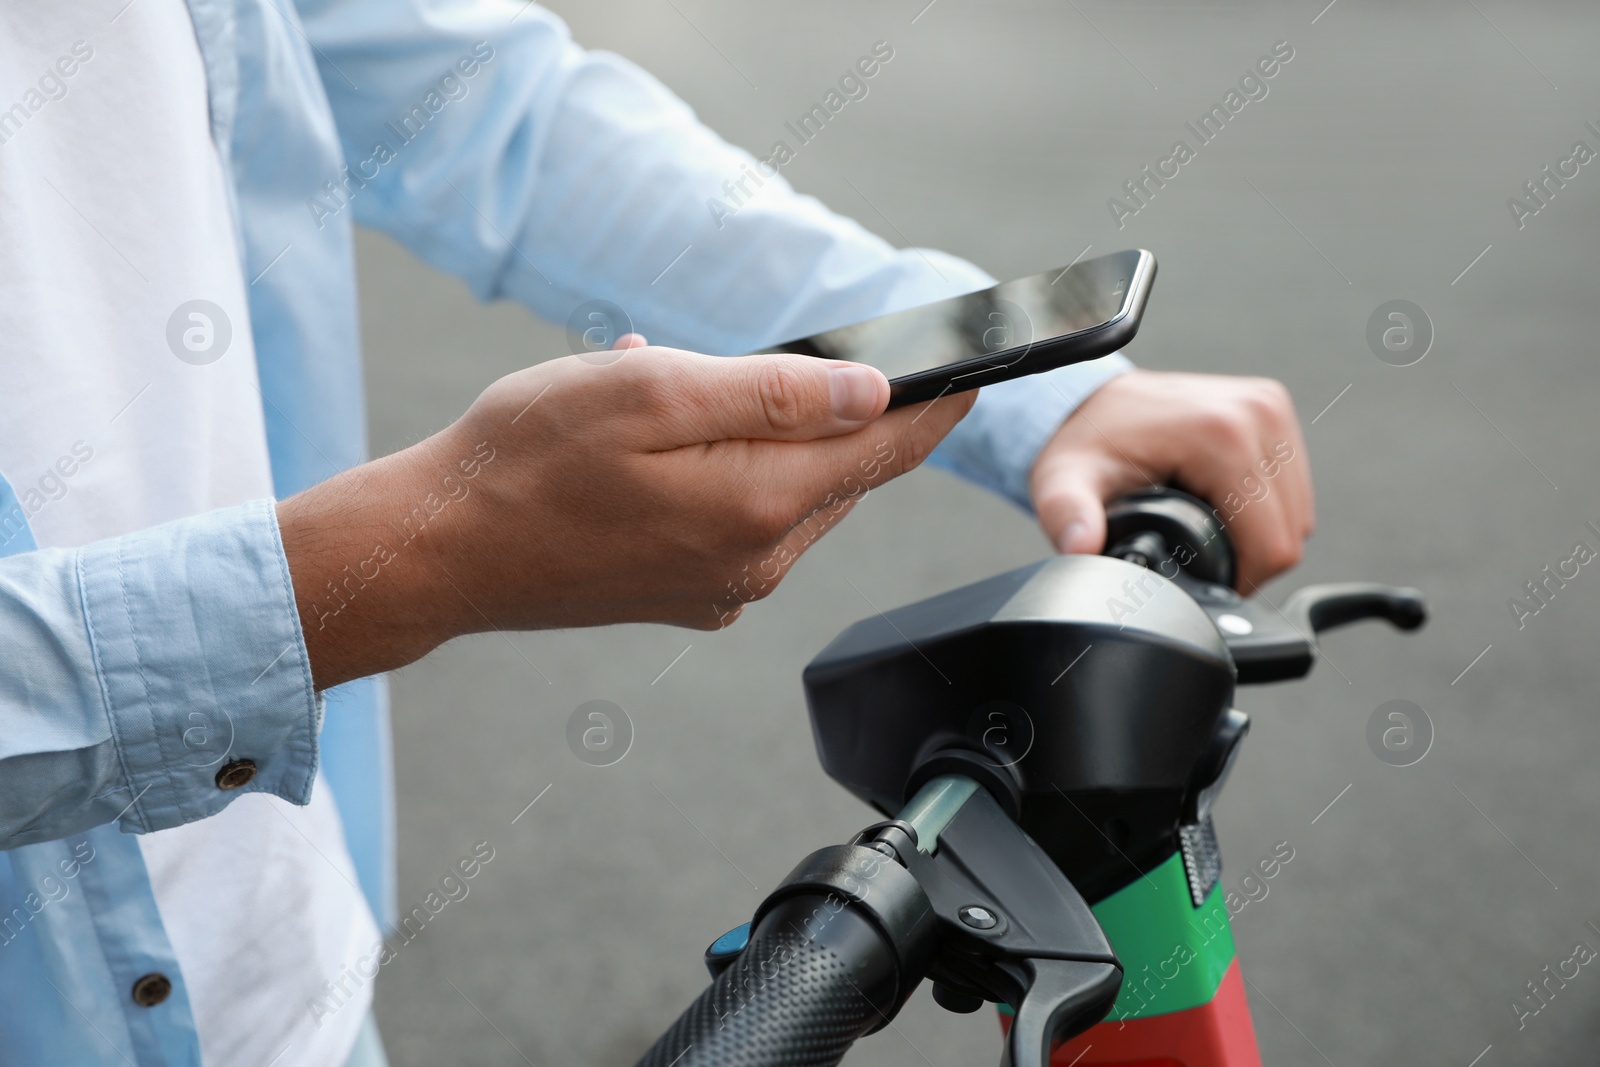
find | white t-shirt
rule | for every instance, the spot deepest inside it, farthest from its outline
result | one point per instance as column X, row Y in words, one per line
column 114, row 222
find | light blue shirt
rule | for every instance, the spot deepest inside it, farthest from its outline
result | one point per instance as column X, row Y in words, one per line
column 483, row 139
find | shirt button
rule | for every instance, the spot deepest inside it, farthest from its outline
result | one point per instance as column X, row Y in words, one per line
column 151, row 990
column 236, row 773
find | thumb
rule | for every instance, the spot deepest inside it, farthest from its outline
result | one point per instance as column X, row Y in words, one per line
column 1071, row 512
column 772, row 397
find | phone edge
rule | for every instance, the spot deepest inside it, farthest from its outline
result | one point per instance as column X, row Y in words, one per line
column 1093, row 343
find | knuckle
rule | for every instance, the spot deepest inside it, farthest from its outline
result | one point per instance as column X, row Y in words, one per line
column 1224, row 427
column 645, row 392
column 1280, row 393
column 781, row 393
column 1269, row 400
column 654, row 386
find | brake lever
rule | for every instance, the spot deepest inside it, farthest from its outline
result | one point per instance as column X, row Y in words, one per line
column 1325, row 607
column 1013, row 930
column 1055, row 1009
column 1274, row 644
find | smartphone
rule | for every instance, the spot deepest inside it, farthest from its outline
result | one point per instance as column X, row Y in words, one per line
column 1068, row 315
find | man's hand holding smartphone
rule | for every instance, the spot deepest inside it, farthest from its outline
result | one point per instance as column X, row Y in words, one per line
column 664, row 486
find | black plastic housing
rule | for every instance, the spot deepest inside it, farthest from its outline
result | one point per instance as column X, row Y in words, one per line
column 1096, row 685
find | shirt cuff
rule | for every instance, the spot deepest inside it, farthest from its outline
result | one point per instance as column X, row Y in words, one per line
column 202, row 666
column 998, row 441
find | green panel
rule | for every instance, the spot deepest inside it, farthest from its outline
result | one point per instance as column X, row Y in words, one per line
column 1173, row 954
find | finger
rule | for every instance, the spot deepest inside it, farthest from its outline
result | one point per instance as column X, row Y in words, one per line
column 1305, row 493
column 1266, row 537
column 631, row 340
column 1266, row 541
column 1069, row 494
column 1071, row 490
column 1293, row 483
column 795, row 492
column 1271, row 533
column 1284, row 454
column 763, row 397
column 1281, row 459
column 1074, row 518
column 790, row 484
column 892, row 445
column 869, row 458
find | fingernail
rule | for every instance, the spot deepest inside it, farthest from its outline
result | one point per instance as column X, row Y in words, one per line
column 853, row 393
column 1072, row 535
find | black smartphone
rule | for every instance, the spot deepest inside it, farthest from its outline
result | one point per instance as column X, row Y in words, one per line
column 1068, row 315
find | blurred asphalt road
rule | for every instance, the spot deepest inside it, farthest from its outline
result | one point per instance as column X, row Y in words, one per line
column 1377, row 168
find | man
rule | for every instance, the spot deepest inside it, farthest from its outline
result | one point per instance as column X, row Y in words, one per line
column 195, row 811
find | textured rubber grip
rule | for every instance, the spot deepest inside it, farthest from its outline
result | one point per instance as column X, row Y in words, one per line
column 788, row 1000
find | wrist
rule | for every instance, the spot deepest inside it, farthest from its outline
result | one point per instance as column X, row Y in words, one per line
column 370, row 563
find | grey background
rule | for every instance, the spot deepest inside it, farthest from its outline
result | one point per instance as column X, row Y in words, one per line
column 1419, row 904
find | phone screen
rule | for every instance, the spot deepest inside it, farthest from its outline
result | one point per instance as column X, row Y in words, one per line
column 1002, row 322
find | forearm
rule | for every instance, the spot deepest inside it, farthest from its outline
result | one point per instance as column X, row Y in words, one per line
column 537, row 209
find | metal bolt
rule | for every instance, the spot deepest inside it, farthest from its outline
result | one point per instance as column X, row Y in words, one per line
column 978, row 917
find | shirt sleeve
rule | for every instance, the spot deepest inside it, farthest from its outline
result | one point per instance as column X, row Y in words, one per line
column 496, row 149
column 141, row 668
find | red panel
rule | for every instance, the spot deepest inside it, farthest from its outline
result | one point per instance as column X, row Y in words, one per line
column 1216, row 1034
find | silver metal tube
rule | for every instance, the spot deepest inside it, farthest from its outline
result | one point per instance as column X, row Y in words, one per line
column 934, row 806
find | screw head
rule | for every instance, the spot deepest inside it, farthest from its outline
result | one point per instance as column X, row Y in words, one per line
column 978, row 917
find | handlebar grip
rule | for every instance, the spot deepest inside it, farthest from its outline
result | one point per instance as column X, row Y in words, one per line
column 815, row 977
column 1188, row 530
